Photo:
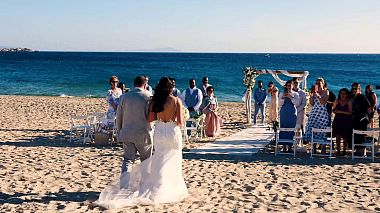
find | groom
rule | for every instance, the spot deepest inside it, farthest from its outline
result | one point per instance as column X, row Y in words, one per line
column 132, row 124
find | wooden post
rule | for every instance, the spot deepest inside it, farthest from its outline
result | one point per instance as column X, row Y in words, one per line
column 248, row 106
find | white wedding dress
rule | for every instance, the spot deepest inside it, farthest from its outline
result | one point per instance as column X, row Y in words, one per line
column 156, row 180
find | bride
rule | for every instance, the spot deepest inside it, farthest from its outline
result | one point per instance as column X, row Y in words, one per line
column 159, row 178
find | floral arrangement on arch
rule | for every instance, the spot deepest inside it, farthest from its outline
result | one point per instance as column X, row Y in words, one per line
column 249, row 76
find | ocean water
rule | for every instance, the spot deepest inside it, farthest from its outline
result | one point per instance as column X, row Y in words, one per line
column 86, row 74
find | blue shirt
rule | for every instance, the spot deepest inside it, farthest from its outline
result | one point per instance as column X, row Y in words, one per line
column 259, row 95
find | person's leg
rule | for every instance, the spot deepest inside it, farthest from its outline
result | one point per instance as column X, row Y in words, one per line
column 255, row 114
column 129, row 155
column 262, row 108
column 145, row 147
column 338, row 141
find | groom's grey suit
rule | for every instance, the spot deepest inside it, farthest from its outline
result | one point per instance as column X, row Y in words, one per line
column 133, row 127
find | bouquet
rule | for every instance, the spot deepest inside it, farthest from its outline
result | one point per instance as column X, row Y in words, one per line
column 185, row 113
column 249, row 76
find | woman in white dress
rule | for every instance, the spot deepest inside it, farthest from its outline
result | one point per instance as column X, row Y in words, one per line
column 159, row 178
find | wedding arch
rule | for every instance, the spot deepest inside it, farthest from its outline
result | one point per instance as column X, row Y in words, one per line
column 249, row 78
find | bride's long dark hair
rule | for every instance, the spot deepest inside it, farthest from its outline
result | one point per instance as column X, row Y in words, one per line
column 163, row 89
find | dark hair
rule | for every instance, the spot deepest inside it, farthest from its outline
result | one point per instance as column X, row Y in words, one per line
column 270, row 83
column 295, row 78
column 287, row 82
column 260, row 81
column 161, row 92
column 139, row 81
column 192, row 79
column 120, row 84
column 209, row 88
column 344, row 90
column 369, row 86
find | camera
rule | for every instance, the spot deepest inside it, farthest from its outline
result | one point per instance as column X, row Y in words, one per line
column 377, row 87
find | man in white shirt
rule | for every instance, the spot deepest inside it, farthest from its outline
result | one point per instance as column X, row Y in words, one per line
column 192, row 98
column 204, row 86
column 301, row 104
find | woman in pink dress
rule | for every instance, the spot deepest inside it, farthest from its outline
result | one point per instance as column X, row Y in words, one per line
column 213, row 121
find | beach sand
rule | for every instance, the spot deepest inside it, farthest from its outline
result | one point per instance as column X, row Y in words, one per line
column 41, row 172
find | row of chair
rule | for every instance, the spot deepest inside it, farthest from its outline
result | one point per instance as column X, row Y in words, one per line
column 296, row 141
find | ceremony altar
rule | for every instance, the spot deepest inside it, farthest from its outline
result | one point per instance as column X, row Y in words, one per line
column 249, row 79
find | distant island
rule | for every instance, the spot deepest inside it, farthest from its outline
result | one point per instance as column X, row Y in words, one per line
column 17, row 49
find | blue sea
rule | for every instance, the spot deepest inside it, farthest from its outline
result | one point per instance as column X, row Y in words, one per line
column 86, row 74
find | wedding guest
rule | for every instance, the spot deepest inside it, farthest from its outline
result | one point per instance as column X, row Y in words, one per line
column 378, row 112
column 372, row 99
column 148, row 87
column 176, row 91
column 288, row 101
column 342, row 124
column 360, row 111
column 330, row 102
column 213, row 121
column 301, row 104
column 192, row 98
column 260, row 96
column 318, row 117
column 123, row 88
column 273, row 105
column 113, row 96
column 204, row 86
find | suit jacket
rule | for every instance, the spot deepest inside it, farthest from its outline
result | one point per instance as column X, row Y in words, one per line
column 132, row 117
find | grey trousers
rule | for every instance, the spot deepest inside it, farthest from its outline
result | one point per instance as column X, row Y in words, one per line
column 144, row 148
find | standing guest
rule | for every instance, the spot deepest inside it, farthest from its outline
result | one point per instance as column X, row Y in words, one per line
column 192, row 98
column 318, row 118
column 213, row 121
column 204, row 86
column 113, row 96
column 301, row 104
column 330, row 102
column 260, row 96
column 342, row 124
column 378, row 112
column 360, row 111
column 123, row 88
column 288, row 101
column 273, row 105
column 148, row 87
column 176, row 91
column 372, row 99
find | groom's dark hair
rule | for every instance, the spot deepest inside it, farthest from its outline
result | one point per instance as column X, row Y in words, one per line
column 139, row 81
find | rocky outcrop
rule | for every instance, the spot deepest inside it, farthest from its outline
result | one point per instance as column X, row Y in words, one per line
column 17, row 49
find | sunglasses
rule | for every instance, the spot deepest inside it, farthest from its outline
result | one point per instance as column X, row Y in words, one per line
column 354, row 88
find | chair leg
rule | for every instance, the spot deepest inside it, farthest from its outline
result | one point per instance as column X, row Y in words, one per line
column 312, row 150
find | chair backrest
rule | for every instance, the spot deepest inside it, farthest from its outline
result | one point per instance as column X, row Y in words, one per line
column 79, row 120
column 328, row 129
column 371, row 133
column 286, row 129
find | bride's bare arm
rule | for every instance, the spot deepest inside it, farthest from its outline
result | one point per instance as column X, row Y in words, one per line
column 179, row 114
column 151, row 115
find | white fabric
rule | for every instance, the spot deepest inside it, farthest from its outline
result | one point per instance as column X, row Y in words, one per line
column 156, row 180
column 303, row 77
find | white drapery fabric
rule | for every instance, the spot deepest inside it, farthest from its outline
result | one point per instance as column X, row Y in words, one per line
column 303, row 76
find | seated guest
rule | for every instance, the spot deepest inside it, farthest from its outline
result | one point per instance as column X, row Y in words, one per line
column 192, row 98
column 212, row 121
column 176, row 91
column 204, row 86
column 288, row 112
column 319, row 117
column 360, row 111
column 273, row 105
column 260, row 96
column 123, row 88
column 342, row 124
column 112, row 97
column 372, row 99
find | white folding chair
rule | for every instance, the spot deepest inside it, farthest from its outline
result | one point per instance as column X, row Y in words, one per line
column 80, row 126
column 192, row 126
column 325, row 141
column 282, row 141
column 366, row 144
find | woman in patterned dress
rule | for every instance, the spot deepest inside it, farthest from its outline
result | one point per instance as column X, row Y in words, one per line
column 112, row 97
column 319, row 117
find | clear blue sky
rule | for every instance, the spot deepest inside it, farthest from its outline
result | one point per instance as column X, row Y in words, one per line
column 335, row 26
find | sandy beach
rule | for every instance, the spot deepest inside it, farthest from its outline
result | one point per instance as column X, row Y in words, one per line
column 40, row 171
